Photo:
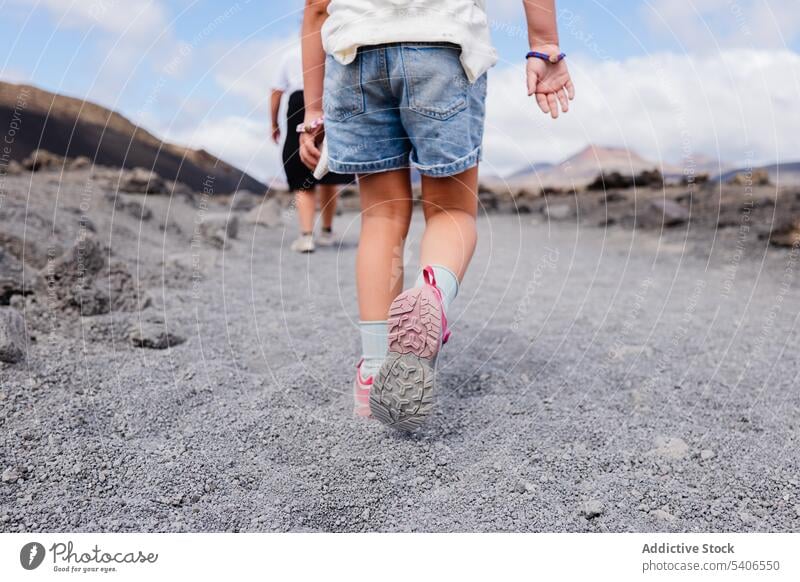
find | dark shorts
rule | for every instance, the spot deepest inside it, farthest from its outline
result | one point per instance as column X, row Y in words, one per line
column 297, row 174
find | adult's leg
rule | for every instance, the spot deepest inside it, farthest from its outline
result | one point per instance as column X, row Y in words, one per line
column 306, row 203
column 328, row 195
column 450, row 206
column 385, row 218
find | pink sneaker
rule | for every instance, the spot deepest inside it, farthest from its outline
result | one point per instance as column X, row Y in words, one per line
column 361, row 390
column 403, row 392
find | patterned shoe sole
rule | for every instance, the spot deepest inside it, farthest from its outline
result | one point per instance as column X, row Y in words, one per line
column 403, row 393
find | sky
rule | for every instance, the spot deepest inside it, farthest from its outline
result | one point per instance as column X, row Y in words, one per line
column 676, row 81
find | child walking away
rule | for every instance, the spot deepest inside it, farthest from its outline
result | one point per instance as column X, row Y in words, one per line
column 289, row 83
column 405, row 85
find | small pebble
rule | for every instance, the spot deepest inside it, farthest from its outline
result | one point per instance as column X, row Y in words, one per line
column 662, row 515
column 10, row 475
column 592, row 508
column 526, row 487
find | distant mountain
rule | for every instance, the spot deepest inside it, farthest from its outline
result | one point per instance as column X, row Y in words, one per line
column 783, row 174
column 584, row 166
column 707, row 165
column 531, row 169
column 72, row 127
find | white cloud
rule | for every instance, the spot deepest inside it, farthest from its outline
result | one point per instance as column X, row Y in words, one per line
column 504, row 8
column 709, row 24
column 139, row 18
column 241, row 141
column 245, row 70
column 131, row 36
column 734, row 105
column 248, row 69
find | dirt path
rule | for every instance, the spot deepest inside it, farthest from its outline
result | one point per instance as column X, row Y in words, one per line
column 596, row 381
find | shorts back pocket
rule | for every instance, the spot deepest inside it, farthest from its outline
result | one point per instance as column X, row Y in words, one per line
column 436, row 81
column 344, row 96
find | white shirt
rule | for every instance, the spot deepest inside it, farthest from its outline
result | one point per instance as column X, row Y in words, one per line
column 289, row 77
column 356, row 23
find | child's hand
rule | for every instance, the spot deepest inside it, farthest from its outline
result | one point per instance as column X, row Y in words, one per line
column 310, row 141
column 550, row 82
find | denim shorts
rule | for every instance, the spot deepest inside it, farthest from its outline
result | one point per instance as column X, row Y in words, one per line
column 401, row 105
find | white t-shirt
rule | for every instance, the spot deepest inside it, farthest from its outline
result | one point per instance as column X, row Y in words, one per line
column 289, row 77
column 356, row 23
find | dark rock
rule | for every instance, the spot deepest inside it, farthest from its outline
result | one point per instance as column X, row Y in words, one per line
column 85, row 257
column 556, row 191
column 216, row 229
column 615, row 197
column 649, row 178
column 592, row 508
column 124, row 294
column 524, row 208
column 528, row 194
column 84, row 280
column 266, row 214
column 142, row 181
column 12, row 277
column 611, row 181
column 662, row 212
column 179, row 188
column 42, row 160
column 80, row 163
column 88, row 299
column 487, row 201
column 14, row 168
column 153, row 335
column 26, row 238
column 244, row 201
column 697, row 179
column 12, row 336
column 750, row 178
column 618, row 181
column 786, row 234
column 132, row 206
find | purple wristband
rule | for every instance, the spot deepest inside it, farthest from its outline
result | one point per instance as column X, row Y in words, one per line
column 552, row 59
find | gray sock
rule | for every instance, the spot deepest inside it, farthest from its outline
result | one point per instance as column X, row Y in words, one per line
column 446, row 281
column 374, row 345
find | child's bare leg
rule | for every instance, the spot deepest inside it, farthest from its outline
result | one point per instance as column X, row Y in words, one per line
column 385, row 218
column 404, row 387
column 306, row 203
column 327, row 202
column 450, row 205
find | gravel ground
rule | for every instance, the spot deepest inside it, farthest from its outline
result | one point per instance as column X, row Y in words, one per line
column 597, row 380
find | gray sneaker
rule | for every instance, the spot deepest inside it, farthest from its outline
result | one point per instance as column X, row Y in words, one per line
column 304, row 244
column 403, row 392
column 327, row 239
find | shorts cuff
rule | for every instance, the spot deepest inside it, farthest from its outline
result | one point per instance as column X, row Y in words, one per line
column 452, row 168
column 385, row 165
